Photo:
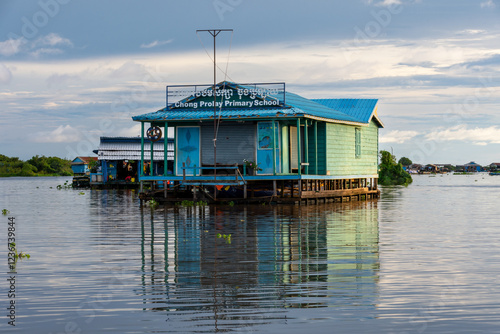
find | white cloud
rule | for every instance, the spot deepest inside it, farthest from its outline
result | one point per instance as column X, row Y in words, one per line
column 11, row 46
column 46, row 51
column 44, row 45
column 63, row 134
column 133, row 131
column 389, row 2
column 52, row 40
column 477, row 136
column 5, row 74
column 397, row 136
column 472, row 32
column 156, row 43
column 488, row 4
column 129, row 69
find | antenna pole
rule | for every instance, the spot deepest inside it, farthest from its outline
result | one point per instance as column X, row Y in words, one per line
column 214, row 33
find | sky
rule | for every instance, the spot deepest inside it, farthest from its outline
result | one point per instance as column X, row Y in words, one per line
column 73, row 70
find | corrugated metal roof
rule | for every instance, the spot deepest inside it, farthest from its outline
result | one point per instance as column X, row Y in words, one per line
column 361, row 109
column 122, row 148
column 133, row 155
column 357, row 111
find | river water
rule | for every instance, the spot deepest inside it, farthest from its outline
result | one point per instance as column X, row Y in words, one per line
column 422, row 259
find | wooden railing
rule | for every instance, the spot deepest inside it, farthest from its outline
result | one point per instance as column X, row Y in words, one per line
column 195, row 169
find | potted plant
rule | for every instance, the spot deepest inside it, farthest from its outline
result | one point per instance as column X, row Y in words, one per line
column 251, row 166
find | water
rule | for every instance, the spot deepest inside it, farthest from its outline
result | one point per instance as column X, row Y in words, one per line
column 422, row 259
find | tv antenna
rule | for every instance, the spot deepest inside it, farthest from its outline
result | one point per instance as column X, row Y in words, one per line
column 214, row 33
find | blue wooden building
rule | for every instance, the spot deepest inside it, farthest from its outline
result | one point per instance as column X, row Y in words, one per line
column 302, row 149
column 80, row 165
column 119, row 161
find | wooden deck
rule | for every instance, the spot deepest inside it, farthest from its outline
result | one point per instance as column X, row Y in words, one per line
column 297, row 190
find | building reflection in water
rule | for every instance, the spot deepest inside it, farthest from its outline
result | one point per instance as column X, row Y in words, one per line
column 276, row 258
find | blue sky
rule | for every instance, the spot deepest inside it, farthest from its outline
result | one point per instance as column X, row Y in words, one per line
column 73, row 70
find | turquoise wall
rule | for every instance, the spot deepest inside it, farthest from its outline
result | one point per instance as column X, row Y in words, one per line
column 321, row 147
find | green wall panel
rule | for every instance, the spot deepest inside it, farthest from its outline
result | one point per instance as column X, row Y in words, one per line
column 341, row 151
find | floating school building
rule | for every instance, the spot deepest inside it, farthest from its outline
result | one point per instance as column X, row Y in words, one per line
column 302, row 149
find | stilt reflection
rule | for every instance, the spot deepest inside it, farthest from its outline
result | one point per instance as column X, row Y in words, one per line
column 229, row 267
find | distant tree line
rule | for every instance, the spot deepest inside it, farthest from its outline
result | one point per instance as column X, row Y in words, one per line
column 36, row 166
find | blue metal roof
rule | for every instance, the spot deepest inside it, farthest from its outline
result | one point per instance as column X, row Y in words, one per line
column 362, row 109
column 343, row 110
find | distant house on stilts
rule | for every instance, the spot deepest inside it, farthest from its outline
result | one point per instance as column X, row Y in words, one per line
column 120, row 161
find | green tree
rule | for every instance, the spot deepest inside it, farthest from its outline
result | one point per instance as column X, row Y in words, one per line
column 28, row 170
column 405, row 161
column 392, row 173
column 35, row 166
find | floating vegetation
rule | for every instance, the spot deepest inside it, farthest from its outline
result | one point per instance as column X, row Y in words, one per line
column 20, row 255
column 152, row 203
column 81, row 193
column 5, row 212
column 192, row 203
column 226, row 237
column 66, row 185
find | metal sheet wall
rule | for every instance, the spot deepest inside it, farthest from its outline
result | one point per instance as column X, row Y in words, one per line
column 235, row 142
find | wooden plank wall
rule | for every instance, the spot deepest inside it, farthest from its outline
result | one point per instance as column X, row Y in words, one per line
column 341, row 153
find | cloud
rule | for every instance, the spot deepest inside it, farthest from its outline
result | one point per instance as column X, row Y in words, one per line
column 389, row 2
column 488, row 4
column 472, row 32
column 50, row 44
column 63, row 134
column 397, row 136
column 46, row 51
column 477, row 136
column 133, row 131
column 52, row 40
column 5, row 74
column 11, row 46
column 129, row 69
column 58, row 80
column 156, row 43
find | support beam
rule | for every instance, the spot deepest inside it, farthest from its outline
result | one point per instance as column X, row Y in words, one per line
column 316, row 169
column 165, row 149
column 142, row 152
column 274, row 147
column 151, row 170
column 299, row 158
column 306, row 148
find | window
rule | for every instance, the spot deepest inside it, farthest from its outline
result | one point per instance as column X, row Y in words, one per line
column 358, row 143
